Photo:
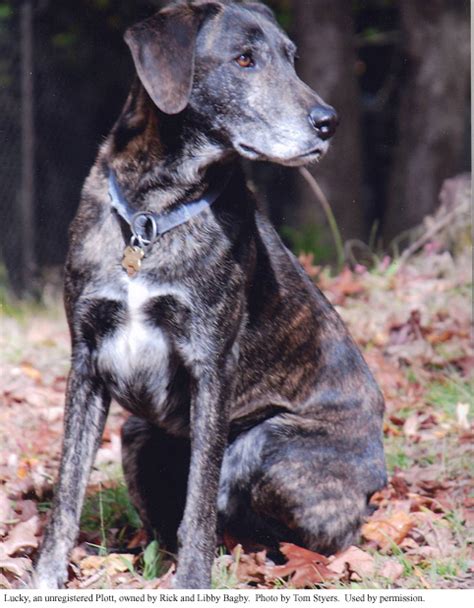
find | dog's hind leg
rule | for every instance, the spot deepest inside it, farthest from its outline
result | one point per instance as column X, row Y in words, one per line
column 156, row 469
column 285, row 481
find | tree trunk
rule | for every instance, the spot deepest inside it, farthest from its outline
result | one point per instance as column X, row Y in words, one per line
column 324, row 32
column 433, row 112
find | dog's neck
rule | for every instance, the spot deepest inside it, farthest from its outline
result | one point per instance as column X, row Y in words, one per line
column 155, row 175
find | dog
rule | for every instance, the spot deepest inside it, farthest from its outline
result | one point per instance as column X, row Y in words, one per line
column 252, row 409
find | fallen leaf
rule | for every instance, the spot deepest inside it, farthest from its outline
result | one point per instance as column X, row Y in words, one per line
column 305, row 567
column 387, row 530
column 26, row 509
column 400, row 486
column 251, row 567
column 392, row 570
column 22, row 536
column 345, row 284
column 307, row 261
column 355, row 560
column 438, row 536
column 5, row 508
column 30, row 371
column 112, row 563
column 18, row 566
column 411, row 425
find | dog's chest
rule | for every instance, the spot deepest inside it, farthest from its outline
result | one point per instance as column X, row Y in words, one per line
column 137, row 355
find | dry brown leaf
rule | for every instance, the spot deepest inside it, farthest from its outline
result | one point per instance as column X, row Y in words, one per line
column 22, row 536
column 427, row 552
column 399, row 486
column 112, row 563
column 390, row 529
column 355, row 560
column 391, row 570
column 307, row 261
column 30, row 371
column 5, row 508
column 251, row 567
column 411, row 425
column 438, row 536
column 305, row 567
column 26, row 509
column 345, row 284
column 18, row 566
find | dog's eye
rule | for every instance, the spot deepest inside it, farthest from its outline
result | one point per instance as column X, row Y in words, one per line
column 245, row 60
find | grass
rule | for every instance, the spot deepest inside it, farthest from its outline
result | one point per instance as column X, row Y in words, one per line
column 395, row 455
column 110, row 508
column 222, row 576
column 47, row 302
column 445, row 395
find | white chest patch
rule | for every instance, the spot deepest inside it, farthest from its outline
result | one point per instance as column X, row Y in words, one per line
column 136, row 341
column 137, row 354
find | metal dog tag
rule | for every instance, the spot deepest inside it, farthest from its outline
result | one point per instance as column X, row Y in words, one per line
column 132, row 259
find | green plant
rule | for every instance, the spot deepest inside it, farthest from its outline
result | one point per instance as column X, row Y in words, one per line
column 109, row 508
column 309, row 239
column 224, row 574
column 152, row 561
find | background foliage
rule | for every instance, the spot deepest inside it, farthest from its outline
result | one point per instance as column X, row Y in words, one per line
column 383, row 172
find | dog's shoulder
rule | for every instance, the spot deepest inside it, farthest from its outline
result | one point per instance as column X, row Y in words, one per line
column 289, row 275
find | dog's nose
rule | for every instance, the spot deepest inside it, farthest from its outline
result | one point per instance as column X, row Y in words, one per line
column 325, row 120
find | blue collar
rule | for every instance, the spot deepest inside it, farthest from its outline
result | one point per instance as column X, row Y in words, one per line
column 146, row 226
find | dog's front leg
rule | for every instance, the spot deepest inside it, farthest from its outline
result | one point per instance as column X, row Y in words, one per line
column 87, row 403
column 209, row 427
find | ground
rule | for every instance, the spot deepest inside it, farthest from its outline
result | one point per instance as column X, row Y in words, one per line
column 411, row 318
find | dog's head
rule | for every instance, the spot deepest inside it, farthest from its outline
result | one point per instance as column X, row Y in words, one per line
column 232, row 67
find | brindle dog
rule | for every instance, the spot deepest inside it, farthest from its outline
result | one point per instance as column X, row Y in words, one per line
column 252, row 408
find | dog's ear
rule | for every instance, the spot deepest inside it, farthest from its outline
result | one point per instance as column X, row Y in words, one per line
column 263, row 9
column 163, row 48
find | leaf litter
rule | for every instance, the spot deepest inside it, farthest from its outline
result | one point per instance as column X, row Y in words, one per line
column 416, row 340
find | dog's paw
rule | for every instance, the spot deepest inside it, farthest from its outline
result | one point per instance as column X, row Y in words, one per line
column 45, row 578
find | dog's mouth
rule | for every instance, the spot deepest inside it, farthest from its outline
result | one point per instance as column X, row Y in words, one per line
column 315, row 154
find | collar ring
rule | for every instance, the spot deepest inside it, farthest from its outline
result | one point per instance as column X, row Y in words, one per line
column 144, row 229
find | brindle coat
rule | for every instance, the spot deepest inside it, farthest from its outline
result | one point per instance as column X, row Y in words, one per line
column 251, row 405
